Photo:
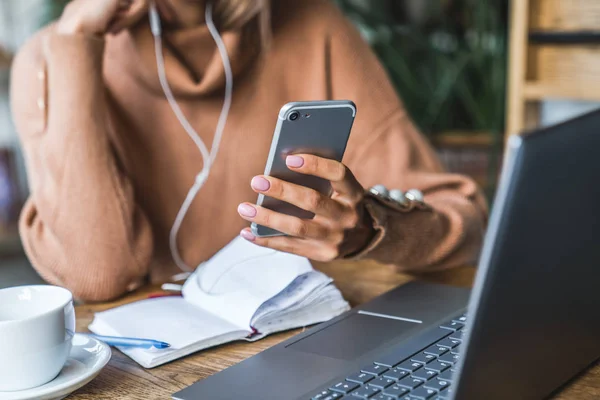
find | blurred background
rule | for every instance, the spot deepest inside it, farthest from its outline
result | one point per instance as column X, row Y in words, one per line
column 470, row 73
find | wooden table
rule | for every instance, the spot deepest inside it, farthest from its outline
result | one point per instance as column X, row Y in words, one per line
column 359, row 282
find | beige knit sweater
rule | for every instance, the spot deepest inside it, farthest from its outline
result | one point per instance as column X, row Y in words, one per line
column 109, row 165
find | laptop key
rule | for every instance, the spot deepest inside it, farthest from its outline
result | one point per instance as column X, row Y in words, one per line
column 437, row 385
column 396, row 374
column 382, row 396
column 438, row 366
column 452, row 325
column 446, row 394
column 360, row 377
column 436, row 350
column 374, row 369
column 455, row 350
column 366, row 392
column 410, row 382
column 446, row 375
column 395, row 391
column 448, row 343
column 423, row 358
column 382, row 382
column 325, row 394
column 449, row 358
column 461, row 319
column 409, row 365
column 333, row 396
column 344, row 387
column 422, row 393
column 425, row 374
column 458, row 335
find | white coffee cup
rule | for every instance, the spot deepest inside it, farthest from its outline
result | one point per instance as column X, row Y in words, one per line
column 37, row 324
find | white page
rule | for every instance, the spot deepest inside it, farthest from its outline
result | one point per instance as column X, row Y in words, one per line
column 312, row 303
column 168, row 319
column 240, row 278
column 294, row 293
column 332, row 305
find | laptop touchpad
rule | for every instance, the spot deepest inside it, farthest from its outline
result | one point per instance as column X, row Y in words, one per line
column 354, row 336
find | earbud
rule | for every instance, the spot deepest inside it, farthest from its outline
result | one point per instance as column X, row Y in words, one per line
column 155, row 26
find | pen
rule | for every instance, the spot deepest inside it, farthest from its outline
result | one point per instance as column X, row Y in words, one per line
column 130, row 342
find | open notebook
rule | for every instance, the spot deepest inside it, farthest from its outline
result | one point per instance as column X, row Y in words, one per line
column 244, row 292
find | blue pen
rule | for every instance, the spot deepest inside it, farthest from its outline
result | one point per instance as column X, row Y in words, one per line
column 130, row 342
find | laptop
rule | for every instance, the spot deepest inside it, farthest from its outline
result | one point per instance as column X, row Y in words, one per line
column 529, row 325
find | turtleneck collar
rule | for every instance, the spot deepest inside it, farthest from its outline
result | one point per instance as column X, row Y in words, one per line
column 192, row 61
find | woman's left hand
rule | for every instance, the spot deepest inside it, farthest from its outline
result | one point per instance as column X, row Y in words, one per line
column 341, row 225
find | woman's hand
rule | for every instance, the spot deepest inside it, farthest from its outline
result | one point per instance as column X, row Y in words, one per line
column 341, row 225
column 99, row 17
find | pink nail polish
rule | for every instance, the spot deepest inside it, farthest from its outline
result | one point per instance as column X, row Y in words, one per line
column 247, row 210
column 294, row 161
column 259, row 183
column 247, row 235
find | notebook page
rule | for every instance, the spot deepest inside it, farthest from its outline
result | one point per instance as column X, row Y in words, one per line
column 169, row 319
column 240, row 278
column 330, row 305
column 313, row 301
column 293, row 294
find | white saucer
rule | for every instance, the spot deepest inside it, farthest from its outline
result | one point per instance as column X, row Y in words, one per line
column 87, row 358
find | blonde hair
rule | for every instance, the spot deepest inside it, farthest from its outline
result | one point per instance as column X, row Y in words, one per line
column 252, row 17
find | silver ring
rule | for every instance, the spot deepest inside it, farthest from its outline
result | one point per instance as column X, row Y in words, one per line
column 398, row 200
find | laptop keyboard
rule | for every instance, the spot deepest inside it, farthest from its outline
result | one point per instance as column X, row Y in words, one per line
column 419, row 369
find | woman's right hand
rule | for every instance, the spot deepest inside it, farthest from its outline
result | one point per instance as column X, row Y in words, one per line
column 99, row 17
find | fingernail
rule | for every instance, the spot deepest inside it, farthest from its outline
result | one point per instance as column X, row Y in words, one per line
column 260, row 183
column 247, row 235
column 294, row 161
column 247, row 210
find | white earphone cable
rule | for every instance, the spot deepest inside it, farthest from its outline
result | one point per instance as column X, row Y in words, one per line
column 207, row 158
column 228, row 82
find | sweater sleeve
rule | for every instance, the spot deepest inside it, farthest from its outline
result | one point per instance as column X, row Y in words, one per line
column 81, row 227
column 386, row 148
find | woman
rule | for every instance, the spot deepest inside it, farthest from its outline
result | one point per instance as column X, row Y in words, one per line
column 110, row 165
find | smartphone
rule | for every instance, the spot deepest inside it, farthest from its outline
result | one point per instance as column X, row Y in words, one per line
column 321, row 128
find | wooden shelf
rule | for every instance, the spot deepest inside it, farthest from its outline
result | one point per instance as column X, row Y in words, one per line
column 564, row 15
column 540, row 91
column 564, row 37
column 564, row 67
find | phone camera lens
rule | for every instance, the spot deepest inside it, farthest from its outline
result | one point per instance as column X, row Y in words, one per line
column 294, row 116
